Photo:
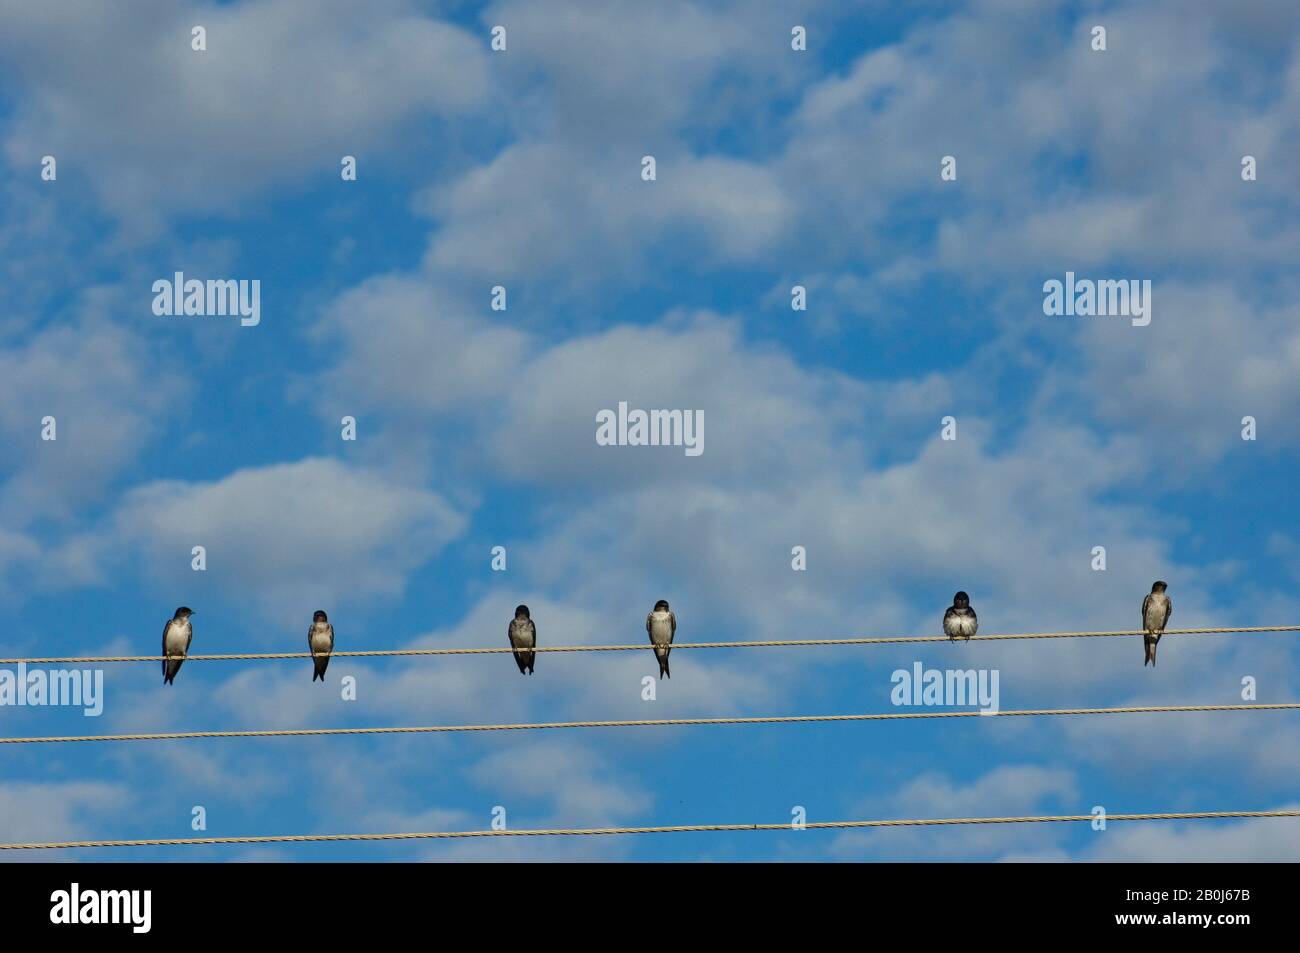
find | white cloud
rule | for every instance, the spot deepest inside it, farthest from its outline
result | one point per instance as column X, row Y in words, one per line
column 1259, row 840
column 1059, row 180
column 290, row 537
column 48, row 811
column 275, row 95
column 515, row 217
column 411, row 349
column 1010, row 790
column 647, row 72
column 566, row 777
column 1209, row 358
column 101, row 385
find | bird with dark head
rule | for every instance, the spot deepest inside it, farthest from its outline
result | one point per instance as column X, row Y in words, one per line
column 960, row 621
column 320, row 642
column 522, row 634
column 178, row 633
column 1156, row 609
column 661, row 624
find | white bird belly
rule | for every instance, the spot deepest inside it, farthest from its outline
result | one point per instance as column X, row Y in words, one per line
column 177, row 639
column 661, row 631
column 960, row 626
column 522, row 636
column 1155, row 617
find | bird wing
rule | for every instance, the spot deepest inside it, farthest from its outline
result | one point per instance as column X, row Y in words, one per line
column 952, row 611
column 1169, row 610
column 1145, row 602
column 189, row 637
column 166, row 625
column 532, row 631
column 330, row 627
column 310, row 629
column 648, row 619
column 672, row 621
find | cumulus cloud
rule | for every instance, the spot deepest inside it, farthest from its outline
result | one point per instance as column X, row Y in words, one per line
column 872, row 139
column 568, row 776
column 274, row 94
column 1060, row 183
column 288, row 537
column 647, row 72
column 1258, row 840
column 1194, row 396
column 409, row 348
column 46, row 811
column 1010, row 790
column 98, row 382
column 516, row 218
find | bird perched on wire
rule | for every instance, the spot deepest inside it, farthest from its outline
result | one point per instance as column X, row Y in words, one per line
column 320, row 641
column 177, row 635
column 1156, row 610
column 662, row 626
column 960, row 621
column 523, row 639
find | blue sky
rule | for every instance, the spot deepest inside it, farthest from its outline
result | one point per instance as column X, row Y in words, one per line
column 476, row 427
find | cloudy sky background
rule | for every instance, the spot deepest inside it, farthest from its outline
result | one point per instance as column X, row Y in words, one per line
column 476, row 428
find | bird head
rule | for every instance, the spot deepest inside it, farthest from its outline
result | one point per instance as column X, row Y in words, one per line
column 521, row 612
column 1159, row 586
column 961, row 601
column 184, row 612
column 661, row 605
column 320, row 616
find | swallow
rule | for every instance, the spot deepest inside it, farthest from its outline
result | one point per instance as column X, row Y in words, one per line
column 177, row 636
column 662, row 626
column 1156, row 610
column 320, row 641
column 960, row 621
column 523, row 639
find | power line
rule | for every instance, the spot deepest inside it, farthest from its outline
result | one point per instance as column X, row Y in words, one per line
column 648, row 723
column 666, row 829
column 641, row 647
